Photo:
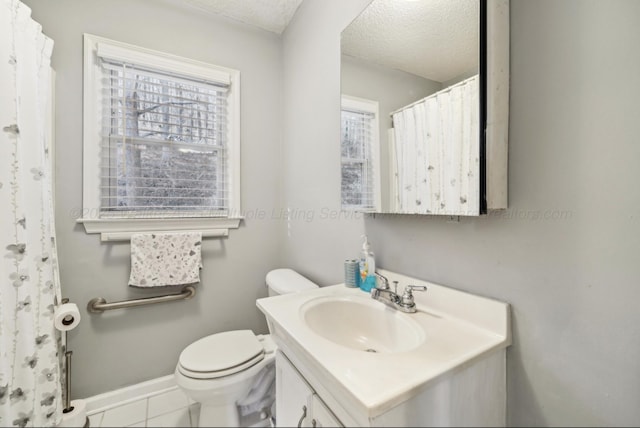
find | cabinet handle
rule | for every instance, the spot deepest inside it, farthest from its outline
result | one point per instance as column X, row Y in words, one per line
column 304, row 415
column 313, row 423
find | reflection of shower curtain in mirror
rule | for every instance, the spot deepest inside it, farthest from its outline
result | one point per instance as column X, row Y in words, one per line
column 437, row 152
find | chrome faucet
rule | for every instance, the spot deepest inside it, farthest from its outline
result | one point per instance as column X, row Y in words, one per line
column 390, row 298
column 386, row 296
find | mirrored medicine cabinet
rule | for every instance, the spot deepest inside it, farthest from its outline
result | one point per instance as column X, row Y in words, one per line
column 424, row 111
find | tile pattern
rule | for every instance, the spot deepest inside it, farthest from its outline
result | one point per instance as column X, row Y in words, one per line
column 170, row 408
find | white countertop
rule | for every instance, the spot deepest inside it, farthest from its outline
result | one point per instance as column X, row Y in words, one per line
column 459, row 328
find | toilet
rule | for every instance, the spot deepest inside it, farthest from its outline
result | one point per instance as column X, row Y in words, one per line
column 221, row 370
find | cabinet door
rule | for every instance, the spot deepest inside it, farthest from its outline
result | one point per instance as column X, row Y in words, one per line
column 321, row 416
column 293, row 395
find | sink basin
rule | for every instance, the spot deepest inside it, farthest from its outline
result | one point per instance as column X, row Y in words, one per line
column 362, row 324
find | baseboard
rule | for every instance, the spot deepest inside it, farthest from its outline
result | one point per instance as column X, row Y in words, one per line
column 108, row 400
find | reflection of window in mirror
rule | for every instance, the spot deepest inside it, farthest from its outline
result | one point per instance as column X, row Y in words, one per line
column 360, row 163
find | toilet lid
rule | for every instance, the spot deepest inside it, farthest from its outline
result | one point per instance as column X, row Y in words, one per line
column 221, row 373
column 285, row 281
column 223, row 353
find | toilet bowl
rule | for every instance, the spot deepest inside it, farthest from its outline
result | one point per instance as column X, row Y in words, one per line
column 220, row 370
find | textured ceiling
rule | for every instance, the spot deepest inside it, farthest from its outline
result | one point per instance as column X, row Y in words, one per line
column 436, row 39
column 271, row 15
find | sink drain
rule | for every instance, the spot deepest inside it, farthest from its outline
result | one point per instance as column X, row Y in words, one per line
column 370, row 350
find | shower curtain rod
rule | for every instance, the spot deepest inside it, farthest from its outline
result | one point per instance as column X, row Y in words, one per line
column 441, row 91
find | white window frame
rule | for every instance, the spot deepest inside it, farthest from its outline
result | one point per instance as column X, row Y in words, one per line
column 122, row 228
column 367, row 106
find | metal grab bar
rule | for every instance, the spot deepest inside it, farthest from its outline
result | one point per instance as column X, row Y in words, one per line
column 99, row 305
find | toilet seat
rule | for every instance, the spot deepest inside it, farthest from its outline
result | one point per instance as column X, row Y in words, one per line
column 221, row 354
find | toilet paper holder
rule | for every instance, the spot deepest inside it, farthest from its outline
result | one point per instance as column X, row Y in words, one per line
column 67, row 366
column 67, row 407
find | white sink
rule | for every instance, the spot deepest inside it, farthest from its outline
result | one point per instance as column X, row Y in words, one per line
column 327, row 331
column 362, row 324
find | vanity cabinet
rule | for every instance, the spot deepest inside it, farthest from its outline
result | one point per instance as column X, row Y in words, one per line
column 444, row 365
column 297, row 404
column 475, row 396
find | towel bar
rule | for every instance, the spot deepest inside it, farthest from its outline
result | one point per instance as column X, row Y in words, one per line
column 99, row 305
column 126, row 236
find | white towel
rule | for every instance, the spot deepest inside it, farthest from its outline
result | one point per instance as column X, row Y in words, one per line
column 160, row 259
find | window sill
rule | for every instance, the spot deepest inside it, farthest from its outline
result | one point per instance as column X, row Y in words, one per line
column 121, row 229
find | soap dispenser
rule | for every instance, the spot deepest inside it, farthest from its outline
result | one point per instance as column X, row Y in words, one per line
column 367, row 267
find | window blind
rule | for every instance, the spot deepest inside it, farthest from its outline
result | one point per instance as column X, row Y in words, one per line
column 164, row 144
column 357, row 166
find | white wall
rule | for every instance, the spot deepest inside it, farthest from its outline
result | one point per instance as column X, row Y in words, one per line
column 392, row 89
column 566, row 253
column 318, row 236
column 124, row 347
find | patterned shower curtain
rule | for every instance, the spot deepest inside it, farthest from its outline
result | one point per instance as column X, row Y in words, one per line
column 30, row 370
column 436, row 143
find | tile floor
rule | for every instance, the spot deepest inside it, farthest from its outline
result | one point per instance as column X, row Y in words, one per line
column 170, row 408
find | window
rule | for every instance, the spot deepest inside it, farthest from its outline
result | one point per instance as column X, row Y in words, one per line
column 161, row 141
column 360, row 154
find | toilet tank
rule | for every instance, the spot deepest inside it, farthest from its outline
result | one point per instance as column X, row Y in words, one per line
column 285, row 281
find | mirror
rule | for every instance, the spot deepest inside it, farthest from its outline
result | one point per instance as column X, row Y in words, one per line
column 413, row 107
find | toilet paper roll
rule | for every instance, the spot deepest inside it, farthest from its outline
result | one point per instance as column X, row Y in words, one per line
column 76, row 416
column 66, row 317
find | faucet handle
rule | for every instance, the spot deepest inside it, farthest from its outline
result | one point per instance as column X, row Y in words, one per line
column 385, row 281
column 407, row 297
column 408, row 288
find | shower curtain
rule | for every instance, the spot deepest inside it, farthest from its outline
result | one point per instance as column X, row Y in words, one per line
column 436, row 143
column 30, row 387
